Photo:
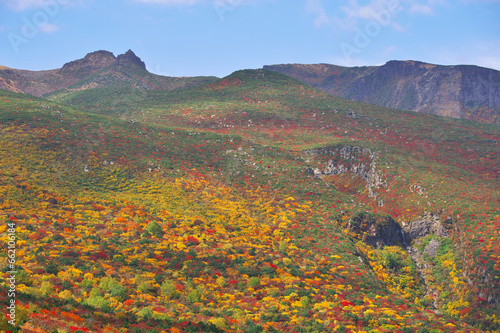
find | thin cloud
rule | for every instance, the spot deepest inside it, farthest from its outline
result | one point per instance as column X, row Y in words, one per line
column 425, row 7
column 417, row 8
column 384, row 11
column 478, row 1
column 20, row 5
column 316, row 7
column 232, row 3
column 48, row 28
column 367, row 12
column 354, row 13
column 170, row 2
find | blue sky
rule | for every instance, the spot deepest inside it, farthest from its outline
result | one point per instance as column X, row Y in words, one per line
column 218, row 37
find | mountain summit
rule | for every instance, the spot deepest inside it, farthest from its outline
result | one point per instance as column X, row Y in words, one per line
column 130, row 58
column 462, row 91
column 99, row 69
column 98, row 60
column 92, row 62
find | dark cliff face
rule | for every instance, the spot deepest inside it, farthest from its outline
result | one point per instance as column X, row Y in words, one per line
column 376, row 230
column 464, row 91
column 480, row 86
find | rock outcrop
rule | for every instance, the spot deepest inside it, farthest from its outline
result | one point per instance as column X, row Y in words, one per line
column 377, row 230
column 357, row 160
column 426, row 225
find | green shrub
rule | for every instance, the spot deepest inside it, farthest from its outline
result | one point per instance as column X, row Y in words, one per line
column 194, row 296
column 155, row 229
column 46, row 289
column 146, row 312
column 168, row 288
column 95, row 292
column 96, row 299
column 390, row 260
column 113, row 287
column 249, row 270
column 253, row 282
column 118, row 291
column 283, row 247
column 146, row 287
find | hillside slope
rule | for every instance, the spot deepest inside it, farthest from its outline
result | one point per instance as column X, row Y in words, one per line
column 423, row 151
column 255, row 203
column 100, row 69
column 467, row 92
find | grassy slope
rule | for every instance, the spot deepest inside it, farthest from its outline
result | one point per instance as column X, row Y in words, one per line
column 117, row 86
column 221, row 175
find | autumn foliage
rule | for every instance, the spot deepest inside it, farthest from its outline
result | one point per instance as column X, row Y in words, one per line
column 205, row 217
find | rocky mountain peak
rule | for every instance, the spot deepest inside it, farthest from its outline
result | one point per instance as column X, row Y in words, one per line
column 129, row 57
column 100, row 55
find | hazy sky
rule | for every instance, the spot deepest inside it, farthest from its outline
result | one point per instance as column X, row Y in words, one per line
column 217, row 37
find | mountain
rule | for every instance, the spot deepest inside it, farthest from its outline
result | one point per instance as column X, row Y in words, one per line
column 463, row 91
column 100, row 69
column 254, row 203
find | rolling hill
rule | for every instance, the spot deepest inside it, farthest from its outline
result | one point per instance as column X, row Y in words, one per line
column 252, row 203
column 464, row 91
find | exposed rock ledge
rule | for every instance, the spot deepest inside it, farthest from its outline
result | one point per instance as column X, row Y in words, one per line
column 379, row 230
column 426, row 225
column 357, row 160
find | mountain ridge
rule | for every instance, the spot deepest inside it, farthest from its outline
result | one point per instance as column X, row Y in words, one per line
column 96, row 70
column 458, row 91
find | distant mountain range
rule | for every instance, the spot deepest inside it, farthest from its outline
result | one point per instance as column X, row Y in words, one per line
column 100, row 69
column 464, row 91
